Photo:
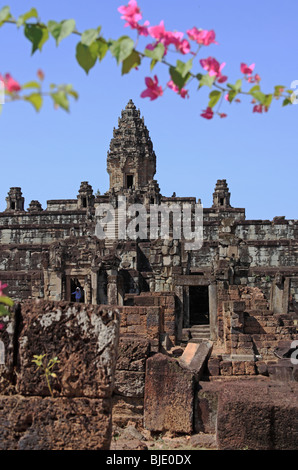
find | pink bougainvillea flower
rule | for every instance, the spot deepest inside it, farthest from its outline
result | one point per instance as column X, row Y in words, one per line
column 142, row 29
column 183, row 46
column 153, row 90
column 202, row 36
column 222, row 115
column 214, row 68
column 1, row 326
column 259, row 108
column 255, row 79
column 168, row 37
column 158, row 32
column 2, row 286
column 183, row 92
column 207, row 113
column 40, row 74
column 10, row 83
column 247, row 70
column 131, row 12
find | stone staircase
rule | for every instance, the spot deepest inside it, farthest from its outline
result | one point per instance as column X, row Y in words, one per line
column 112, row 235
column 196, row 333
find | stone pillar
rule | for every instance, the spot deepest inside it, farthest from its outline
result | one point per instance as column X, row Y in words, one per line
column 94, row 283
column 186, row 313
column 54, row 286
column 179, row 295
column 277, row 294
column 112, row 289
column 212, row 292
column 88, row 289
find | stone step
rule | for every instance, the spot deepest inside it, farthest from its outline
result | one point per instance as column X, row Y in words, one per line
column 200, row 335
column 196, row 333
column 200, row 328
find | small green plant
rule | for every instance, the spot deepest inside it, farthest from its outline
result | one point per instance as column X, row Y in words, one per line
column 5, row 303
column 46, row 366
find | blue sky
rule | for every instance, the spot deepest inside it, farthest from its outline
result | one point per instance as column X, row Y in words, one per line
column 49, row 153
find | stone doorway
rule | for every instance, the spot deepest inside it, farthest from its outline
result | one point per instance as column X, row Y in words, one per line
column 74, row 283
column 198, row 305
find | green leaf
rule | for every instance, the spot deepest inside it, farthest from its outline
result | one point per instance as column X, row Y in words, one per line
column 180, row 74
column 3, row 311
column 286, row 101
column 259, row 95
column 207, row 80
column 183, row 67
column 131, row 62
column 89, row 36
column 102, row 48
column 35, row 99
column 32, row 84
column 268, row 100
column 60, row 98
column 237, row 86
column 214, row 97
column 61, row 30
column 67, row 28
column 87, row 55
column 152, row 64
column 122, row 48
column 70, row 91
column 45, row 37
column 4, row 14
column 35, row 34
column 277, row 89
column 6, row 300
column 231, row 95
column 23, row 18
column 254, row 88
column 157, row 53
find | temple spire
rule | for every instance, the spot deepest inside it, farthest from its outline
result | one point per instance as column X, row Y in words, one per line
column 131, row 161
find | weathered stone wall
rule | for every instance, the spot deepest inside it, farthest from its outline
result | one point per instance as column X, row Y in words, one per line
column 145, row 326
column 248, row 414
column 79, row 415
column 240, row 413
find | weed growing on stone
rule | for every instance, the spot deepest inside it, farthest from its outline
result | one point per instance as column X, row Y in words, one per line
column 41, row 363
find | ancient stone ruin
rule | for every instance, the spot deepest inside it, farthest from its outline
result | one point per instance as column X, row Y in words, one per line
column 192, row 341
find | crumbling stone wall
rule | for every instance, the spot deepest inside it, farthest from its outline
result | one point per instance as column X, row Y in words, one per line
column 147, row 326
column 79, row 415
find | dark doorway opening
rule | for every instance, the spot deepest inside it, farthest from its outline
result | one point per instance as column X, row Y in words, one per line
column 74, row 283
column 198, row 305
column 129, row 181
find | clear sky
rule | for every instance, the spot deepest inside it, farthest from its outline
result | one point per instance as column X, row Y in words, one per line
column 49, row 153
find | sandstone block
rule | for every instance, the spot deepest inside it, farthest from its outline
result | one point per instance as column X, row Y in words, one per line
column 83, row 337
column 36, row 423
column 169, row 396
column 195, row 356
column 257, row 416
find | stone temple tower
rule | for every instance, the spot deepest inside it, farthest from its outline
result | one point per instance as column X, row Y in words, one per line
column 221, row 195
column 131, row 161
